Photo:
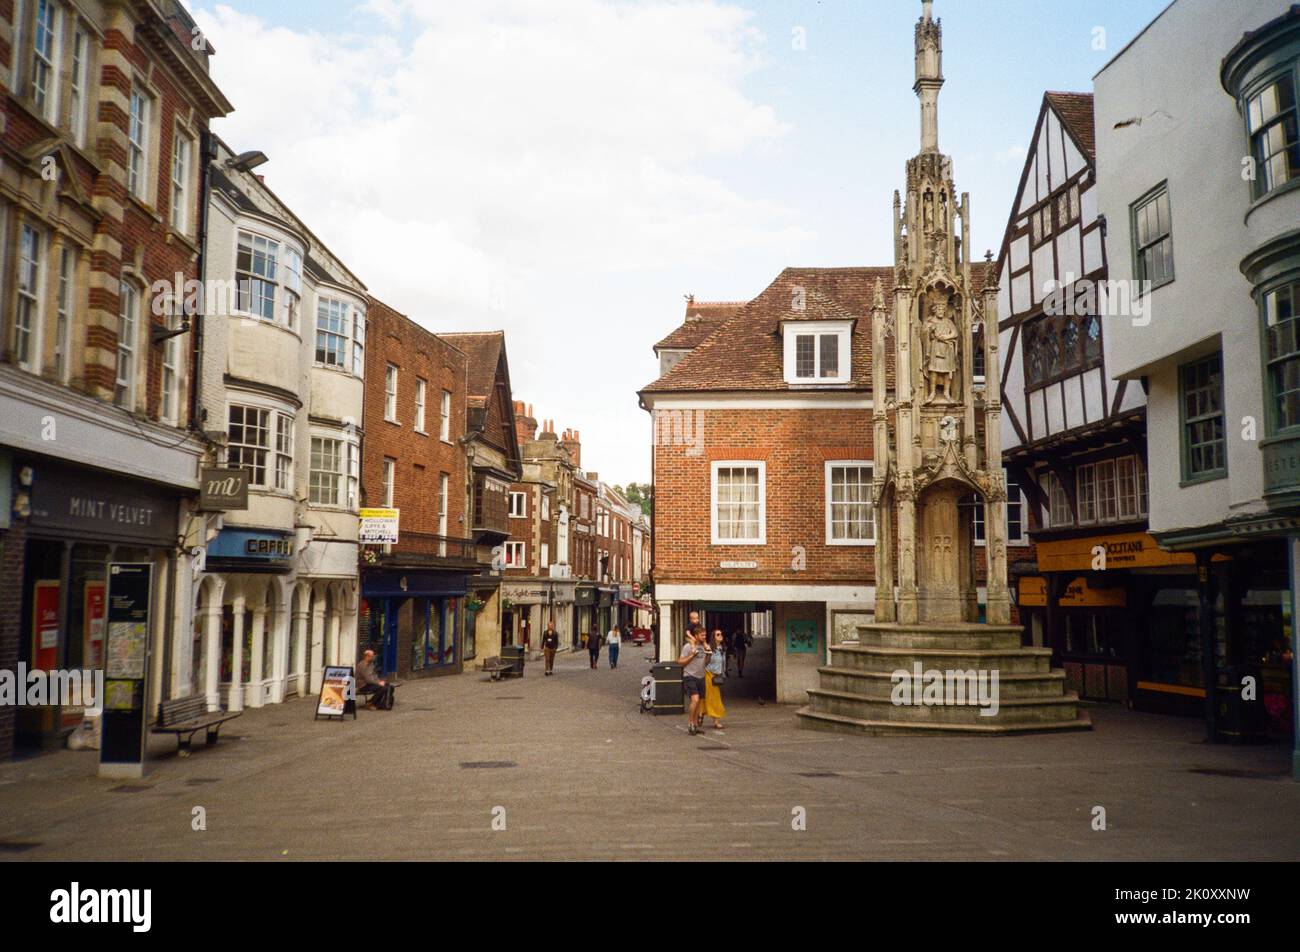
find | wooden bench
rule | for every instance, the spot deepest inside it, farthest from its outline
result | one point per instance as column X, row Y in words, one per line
column 188, row 716
column 497, row 668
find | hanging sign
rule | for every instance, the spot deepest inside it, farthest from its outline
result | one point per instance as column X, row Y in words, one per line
column 378, row 526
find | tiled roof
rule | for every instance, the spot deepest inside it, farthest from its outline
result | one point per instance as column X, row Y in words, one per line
column 1075, row 110
column 746, row 352
column 702, row 319
column 484, row 351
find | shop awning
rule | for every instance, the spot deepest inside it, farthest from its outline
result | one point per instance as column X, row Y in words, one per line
column 633, row 603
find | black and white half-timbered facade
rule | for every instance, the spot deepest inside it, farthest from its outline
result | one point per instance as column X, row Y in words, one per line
column 1074, row 440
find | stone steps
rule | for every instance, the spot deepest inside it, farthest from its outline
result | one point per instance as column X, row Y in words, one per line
column 1006, row 660
column 1010, row 711
column 981, row 637
column 824, row 721
column 881, row 683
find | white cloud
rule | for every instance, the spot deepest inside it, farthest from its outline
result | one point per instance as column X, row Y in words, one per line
column 468, row 159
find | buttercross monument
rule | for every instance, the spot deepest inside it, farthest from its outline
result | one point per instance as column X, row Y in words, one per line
column 938, row 458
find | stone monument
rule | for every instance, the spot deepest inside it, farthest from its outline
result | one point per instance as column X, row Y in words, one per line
column 938, row 456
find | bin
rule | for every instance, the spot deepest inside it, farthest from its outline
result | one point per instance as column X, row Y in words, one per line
column 668, row 688
column 514, row 654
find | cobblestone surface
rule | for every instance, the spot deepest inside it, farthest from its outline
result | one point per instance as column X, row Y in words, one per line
column 581, row 774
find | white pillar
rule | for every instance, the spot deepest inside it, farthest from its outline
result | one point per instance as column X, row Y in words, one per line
column 236, row 701
column 666, row 650
column 283, row 595
column 255, row 672
column 334, row 654
column 317, row 638
column 212, row 644
column 300, row 638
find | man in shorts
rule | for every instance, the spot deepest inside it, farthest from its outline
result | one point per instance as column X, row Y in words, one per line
column 694, row 658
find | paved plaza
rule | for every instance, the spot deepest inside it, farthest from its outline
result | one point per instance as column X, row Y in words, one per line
column 581, row 774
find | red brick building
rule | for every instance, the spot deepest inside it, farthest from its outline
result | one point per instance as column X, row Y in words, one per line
column 104, row 112
column 413, row 459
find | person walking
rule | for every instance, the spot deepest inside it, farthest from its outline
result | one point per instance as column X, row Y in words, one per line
column 550, row 644
column 741, row 642
column 593, row 648
column 615, row 640
column 693, row 659
column 714, row 675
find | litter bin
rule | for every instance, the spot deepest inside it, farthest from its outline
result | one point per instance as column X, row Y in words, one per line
column 514, row 654
column 668, row 688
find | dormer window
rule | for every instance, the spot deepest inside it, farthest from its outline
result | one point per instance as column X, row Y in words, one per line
column 817, row 352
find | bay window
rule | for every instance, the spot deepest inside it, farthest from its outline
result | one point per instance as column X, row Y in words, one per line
column 256, row 261
column 1282, row 357
column 1274, row 141
column 248, row 441
column 334, row 477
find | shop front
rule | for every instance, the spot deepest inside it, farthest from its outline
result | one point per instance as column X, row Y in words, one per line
column 535, row 603
column 414, row 620
column 584, row 613
column 79, row 522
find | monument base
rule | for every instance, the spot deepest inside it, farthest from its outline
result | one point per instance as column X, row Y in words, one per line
column 928, row 678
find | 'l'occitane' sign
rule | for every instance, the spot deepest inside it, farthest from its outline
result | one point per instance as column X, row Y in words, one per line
column 1129, row 550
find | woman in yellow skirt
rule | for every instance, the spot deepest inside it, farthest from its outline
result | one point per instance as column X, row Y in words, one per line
column 713, row 678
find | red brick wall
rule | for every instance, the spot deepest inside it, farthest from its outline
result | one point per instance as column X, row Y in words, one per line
column 392, row 338
column 795, row 445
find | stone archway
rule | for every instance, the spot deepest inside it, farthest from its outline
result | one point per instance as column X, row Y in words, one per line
column 944, row 564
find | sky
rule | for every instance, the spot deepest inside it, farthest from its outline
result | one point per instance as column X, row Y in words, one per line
column 570, row 170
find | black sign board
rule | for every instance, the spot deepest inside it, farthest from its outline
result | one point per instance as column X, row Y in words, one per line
column 223, row 489
column 126, row 666
column 338, row 693
column 97, row 505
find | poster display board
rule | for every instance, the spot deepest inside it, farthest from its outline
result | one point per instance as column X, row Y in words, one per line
column 378, row 526
column 338, row 693
column 126, row 661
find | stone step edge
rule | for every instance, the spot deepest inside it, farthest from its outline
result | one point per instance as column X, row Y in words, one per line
column 1067, row 698
column 945, row 652
column 1055, row 674
column 1083, row 723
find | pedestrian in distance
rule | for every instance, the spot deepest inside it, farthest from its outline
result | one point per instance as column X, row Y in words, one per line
column 694, row 657
column 380, row 693
column 593, row 649
column 615, row 640
column 714, row 675
column 550, row 644
column 741, row 642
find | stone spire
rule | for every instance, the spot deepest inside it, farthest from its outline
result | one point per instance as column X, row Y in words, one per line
column 929, row 74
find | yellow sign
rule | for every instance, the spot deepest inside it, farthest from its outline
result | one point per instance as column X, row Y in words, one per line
column 1129, row 550
column 1078, row 594
column 1033, row 591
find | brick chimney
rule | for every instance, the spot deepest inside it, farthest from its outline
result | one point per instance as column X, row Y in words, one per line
column 573, row 445
column 525, row 422
column 548, row 430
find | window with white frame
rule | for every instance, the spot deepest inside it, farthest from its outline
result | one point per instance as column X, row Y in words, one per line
column 332, row 332
column 390, row 393
column 45, row 58
column 420, row 388
column 333, row 478
column 1017, row 528
column 518, row 505
column 515, row 556
column 248, row 441
column 256, row 263
column 817, row 353
column 444, row 424
column 28, row 319
column 390, row 480
column 358, row 341
column 137, row 159
column 64, row 319
column 180, row 191
column 77, row 87
column 292, row 271
column 1113, row 490
column 128, row 331
column 283, row 452
column 545, row 556
column 1059, row 512
column 1131, row 478
column 444, row 491
column 850, row 519
column 170, row 398
column 739, row 505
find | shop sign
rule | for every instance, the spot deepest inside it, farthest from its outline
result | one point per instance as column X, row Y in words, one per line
column 1129, row 550
column 1033, row 592
column 222, row 490
column 1078, row 594
column 245, row 544
column 737, row 565
column 338, row 693
column 130, row 586
column 524, row 593
column 378, row 526
column 45, row 624
column 1281, row 465
column 101, row 506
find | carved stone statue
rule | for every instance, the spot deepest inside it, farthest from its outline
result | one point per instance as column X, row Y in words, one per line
column 940, row 338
